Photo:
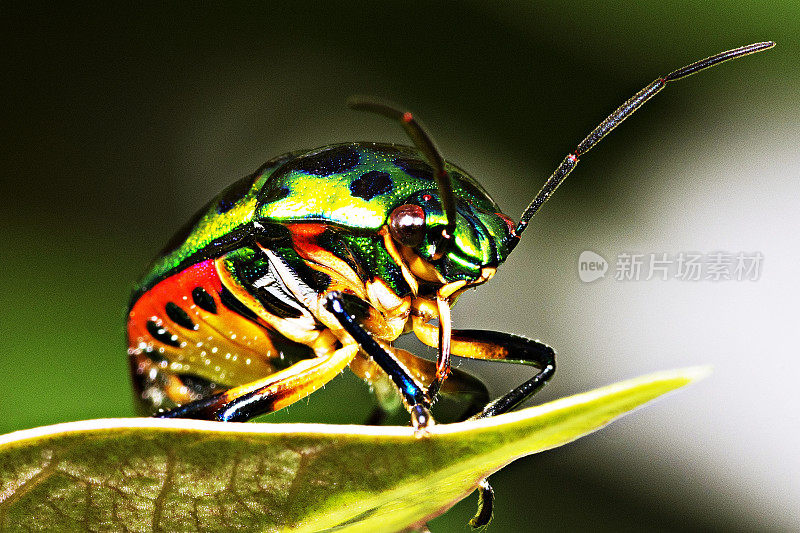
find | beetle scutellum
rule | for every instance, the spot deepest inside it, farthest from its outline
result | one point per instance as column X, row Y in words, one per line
column 322, row 258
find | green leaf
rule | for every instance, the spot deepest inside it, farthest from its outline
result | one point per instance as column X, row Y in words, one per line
column 177, row 475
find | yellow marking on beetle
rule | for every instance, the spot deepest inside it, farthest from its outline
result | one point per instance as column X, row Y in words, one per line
column 420, row 267
column 299, row 380
column 446, row 291
column 394, row 309
column 424, row 308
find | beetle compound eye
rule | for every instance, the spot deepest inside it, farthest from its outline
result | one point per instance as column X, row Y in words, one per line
column 407, row 224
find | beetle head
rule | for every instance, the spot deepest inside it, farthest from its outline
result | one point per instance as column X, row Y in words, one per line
column 458, row 238
column 480, row 239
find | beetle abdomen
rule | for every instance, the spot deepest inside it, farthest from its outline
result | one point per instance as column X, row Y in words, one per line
column 189, row 337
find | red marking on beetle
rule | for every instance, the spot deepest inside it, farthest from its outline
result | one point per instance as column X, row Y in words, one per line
column 305, row 235
column 306, row 230
column 572, row 157
column 427, row 197
column 407, row 117
column 510, row 223
column 151, row 303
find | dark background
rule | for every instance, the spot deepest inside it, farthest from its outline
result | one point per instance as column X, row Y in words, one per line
column 119, row 122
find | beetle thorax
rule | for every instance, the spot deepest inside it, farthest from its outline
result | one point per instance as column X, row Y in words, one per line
column 430, row 298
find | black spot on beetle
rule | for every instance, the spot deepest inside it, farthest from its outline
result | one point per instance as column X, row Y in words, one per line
column 320, row 279
column 331, row 161
column 179, row 316
column 276, row 306
column 161, row 334
column 203, row 300
column 233, row 194
column 416, row 168
column 230, row 301
column 371, row 184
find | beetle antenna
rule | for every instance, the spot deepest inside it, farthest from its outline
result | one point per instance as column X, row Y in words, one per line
column 424, row 143
column 620, row 114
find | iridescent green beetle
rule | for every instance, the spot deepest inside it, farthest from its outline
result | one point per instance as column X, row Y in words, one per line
column 319, row 261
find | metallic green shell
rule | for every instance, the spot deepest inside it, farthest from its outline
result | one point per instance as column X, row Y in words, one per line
column 213, row 228
column 352, row 186
column 356, row 185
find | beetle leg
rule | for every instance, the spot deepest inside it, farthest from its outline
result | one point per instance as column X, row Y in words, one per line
column 274, row 392
column 443, row 358
column 413, row 393
column 478, row 344
column 485, row 505
column 512, row 349
column 459, row 386
column 509, row 348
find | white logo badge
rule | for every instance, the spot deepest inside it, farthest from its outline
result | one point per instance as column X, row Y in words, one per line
column 591, row 266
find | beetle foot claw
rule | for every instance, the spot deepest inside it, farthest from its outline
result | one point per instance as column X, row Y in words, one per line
column 421, row 419
column 485, row 505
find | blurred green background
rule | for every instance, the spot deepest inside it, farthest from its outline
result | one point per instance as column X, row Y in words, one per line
column 119, row 122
